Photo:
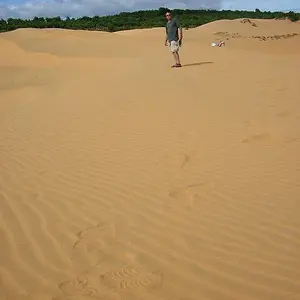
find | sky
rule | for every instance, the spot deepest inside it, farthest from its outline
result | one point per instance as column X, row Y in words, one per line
column 77, row 8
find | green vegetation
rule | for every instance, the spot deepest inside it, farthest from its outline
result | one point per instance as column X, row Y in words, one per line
column 141, row 19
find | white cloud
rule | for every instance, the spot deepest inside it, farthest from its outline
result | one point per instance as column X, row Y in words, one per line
column 77, row 8
column 265, row 5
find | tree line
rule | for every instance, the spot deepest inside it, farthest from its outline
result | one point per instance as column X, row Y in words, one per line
column 141, row 19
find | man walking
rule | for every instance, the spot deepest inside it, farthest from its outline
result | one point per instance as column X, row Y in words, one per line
column 173, row 37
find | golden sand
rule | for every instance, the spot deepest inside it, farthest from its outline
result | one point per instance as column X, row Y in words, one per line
column 124, row 179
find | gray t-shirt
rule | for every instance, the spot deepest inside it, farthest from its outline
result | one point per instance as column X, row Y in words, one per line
column 172, row 30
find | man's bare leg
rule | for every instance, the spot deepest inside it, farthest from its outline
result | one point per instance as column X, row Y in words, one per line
column 176, row 57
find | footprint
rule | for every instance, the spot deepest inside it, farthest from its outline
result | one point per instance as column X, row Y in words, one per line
column 283, row 114
column 257, row 138
column 94, row 284
column 176, row 160
column 186, row 197
column 182, row 197
column 132, row 278
column 186, row 159
column 95, row 232
column 92, row 243
column 78, row 287
column 83, row 286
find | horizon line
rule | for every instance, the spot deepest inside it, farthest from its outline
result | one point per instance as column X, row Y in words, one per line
column 295, row 10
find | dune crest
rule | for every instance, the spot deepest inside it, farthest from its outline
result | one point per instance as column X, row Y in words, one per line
column 122, row 178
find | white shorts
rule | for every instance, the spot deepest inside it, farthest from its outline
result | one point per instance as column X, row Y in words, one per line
column 174, row 46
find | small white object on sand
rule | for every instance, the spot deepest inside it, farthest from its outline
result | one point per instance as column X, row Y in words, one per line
column 220, row 43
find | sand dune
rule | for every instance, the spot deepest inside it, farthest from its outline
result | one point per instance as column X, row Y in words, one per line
column 122, row 178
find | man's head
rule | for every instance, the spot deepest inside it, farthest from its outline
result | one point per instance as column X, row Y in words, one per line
column 168, row 15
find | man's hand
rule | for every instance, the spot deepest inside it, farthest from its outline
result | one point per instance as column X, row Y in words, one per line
column 166, row 43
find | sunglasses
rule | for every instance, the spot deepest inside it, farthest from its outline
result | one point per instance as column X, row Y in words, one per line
column 168, row 15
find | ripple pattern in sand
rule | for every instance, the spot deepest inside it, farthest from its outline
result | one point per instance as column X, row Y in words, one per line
column 97, row 204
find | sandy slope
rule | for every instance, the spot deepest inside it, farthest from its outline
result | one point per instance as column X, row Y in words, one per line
column 122, row 178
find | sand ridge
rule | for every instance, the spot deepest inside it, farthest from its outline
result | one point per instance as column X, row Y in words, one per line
column 122, row 178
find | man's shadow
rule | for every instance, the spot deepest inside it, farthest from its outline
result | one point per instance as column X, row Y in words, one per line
column 198, row 64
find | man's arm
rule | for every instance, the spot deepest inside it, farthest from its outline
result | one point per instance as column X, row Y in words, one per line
column 166, row 40
column 179, row 29
column 180, row 36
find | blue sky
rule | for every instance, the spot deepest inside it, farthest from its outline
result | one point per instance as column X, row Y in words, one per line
column 77, row 8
